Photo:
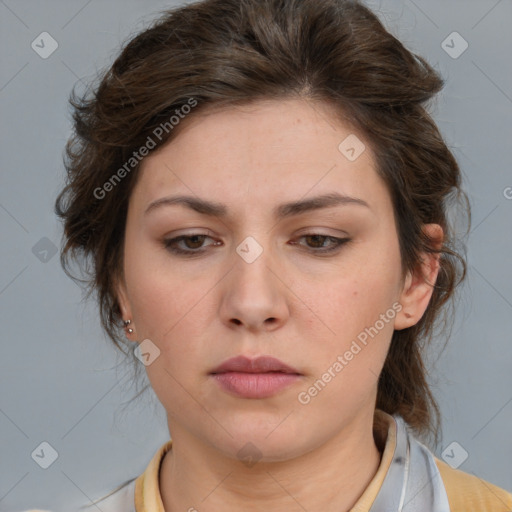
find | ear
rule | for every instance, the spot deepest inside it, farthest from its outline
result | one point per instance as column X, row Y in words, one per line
column 419, row 284
column 123, row 301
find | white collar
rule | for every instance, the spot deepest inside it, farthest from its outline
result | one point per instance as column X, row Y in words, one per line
column 413, row 482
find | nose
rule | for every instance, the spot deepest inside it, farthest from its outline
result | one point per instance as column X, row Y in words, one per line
column 254, row 297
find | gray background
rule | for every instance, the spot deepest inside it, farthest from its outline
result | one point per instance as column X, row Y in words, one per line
column 62, row 382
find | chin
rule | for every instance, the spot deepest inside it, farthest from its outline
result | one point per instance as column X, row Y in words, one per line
column 275, row 441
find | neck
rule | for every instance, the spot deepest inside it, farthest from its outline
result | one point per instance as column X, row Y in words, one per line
column 331, row 477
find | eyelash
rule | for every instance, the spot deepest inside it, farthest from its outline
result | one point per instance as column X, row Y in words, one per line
column 170, row 244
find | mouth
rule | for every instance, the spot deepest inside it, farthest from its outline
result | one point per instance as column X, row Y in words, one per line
column 263, row 364
column 262, row 377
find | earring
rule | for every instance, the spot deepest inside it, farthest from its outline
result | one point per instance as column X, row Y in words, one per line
column 126, row 324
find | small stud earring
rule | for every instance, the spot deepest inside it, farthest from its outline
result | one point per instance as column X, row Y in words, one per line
column 126, row 324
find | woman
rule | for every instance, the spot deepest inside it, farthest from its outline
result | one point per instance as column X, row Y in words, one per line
column 262, row 198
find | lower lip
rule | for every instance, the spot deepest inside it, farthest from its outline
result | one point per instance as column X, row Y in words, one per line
column 255, row 385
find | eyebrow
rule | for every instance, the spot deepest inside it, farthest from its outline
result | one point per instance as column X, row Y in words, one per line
column 282, row 211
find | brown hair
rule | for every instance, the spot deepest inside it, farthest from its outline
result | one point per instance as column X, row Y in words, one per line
column 221, row 53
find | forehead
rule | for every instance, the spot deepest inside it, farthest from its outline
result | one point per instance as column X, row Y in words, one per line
column 269, row 151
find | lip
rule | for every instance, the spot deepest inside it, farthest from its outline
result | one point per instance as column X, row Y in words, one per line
column 254, row 378
column 262, row 364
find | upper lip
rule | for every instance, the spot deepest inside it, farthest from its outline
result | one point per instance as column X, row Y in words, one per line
column 261, row 364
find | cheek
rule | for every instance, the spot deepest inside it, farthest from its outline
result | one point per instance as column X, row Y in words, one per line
column 159, row 295
column 346, row 362
column 346, row 301
column 171, row 310
column 351, row 315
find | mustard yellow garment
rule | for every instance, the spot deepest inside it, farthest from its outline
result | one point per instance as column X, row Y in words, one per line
column 466, row 492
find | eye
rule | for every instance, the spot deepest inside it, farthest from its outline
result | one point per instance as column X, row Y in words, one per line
column 192, row 243
column 316, row 242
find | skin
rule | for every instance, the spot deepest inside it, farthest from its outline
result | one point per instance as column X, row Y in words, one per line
column 291, row 303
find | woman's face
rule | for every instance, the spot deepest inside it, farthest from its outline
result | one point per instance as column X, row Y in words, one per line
column 266, row 277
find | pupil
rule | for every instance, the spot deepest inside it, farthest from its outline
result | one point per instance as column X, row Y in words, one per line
column 317, row 238
column 195, row 237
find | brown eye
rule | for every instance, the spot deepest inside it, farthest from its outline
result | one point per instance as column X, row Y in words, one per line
column 190, row 244
column 316, row 242
column 194, row 242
